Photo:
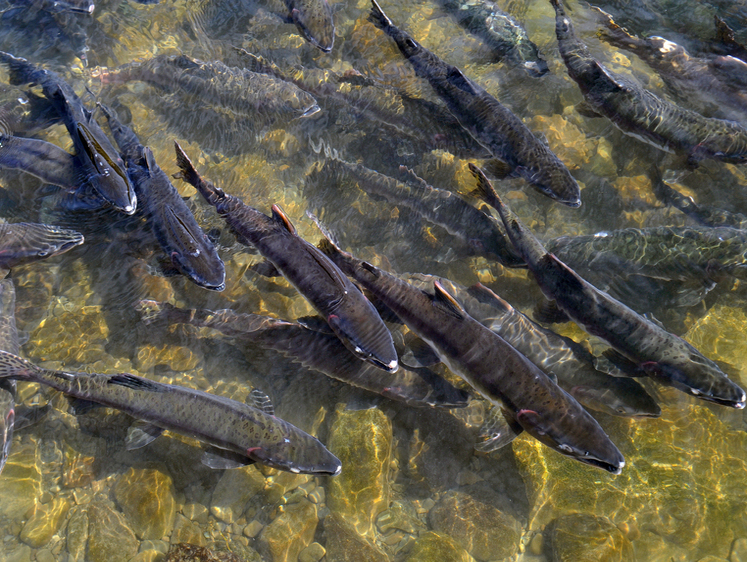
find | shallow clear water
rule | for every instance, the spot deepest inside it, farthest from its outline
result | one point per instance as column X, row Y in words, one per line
column 412, row 483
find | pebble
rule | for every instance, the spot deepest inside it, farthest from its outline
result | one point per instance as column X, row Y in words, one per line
column 77, row 535
column 109, row 536
column 45, row 522
column 253, row 529
column 234, row 489
column 312, row 553
column 45, row 555
column 185, row 531
column 196, row 512
column 290, row 532
column 146, row 496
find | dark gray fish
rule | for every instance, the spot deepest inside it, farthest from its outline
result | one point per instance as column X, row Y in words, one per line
column 478, row 231
column 529, row 398
column 660, row 354
column 352, row 318
column 174, row 225
column 9, row 343
column 492, row 124
column 703, row 84
column 22, row 242
column 101, row 166
column 319, row 350
column 221, row 422
column 500, row 31
column 727, row 43
column 639, row 113
column 313, row 18
column 569, row 361
column 242, row 92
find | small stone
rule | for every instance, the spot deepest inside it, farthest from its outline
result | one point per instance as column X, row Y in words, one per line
column 283, row 486
column 185, row 531
column 149, row 556
column 253, row 529
column 77, row 535
column 77, row 469
column 234, row 489
column 317, row 495
column 433, row 547
column 45, row 522
column 159, row 546
column 22, row 554
column 537, row 544
column 45, row 555
column 109, row 537
column 344, row 544
column 196, row 512
column 580, row 537
column 146, row 496
column 738, row 551
column 312, row 553
column 290, row 532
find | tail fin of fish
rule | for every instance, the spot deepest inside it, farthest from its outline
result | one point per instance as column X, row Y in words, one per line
column 150, row 311
column 484, row 189
column 378, row 17
column 188, row 173
column 20, row 70
column 14, row 367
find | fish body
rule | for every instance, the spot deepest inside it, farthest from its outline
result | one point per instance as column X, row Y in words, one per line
column 313, row 18
column 492, row 124
column 478, row 231
column 352, row 318
column 639, row 113
column 9, row 343
column 101, row 165
column 242, row 92
column 500, row 31
column 662, row 355
column 570, row 362
column 319, row 350
column 22, row 243
column 215, row 420
column 490, row 365
column 174, row 225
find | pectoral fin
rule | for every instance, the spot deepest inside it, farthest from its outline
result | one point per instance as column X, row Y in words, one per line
column 140, row 434
column 499, row 429
column 218, row 459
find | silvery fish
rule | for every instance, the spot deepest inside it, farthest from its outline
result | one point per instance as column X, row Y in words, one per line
column 319, row 349
column 505, row 377
column 660, row 354
column 492, row 124
column 639, row 113
column 245, row 431
column 352, row 318
column 23, row 242
column 313, row 18
column 174, row 225
column 100, row 165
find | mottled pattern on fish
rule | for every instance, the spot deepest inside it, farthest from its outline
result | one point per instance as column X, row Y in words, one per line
column 318, row 350
column 313, row 18
column 492, row 124
column 216, row 85
column 505, row 36
column 640, row 113
column 9, row 343
column 22, row 242
column 174, row 225
column 489, row 364
column 570, row 362
column 104, row 169
column 478, row 231
column 662, row 355
column 343, row 306
column 703, row 84
column 218, row 421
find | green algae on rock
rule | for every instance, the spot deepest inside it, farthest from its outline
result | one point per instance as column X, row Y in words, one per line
column 146, row 496
column 580, row 537
column 435, row 547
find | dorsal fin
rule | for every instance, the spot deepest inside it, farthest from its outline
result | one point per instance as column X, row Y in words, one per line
column 150, row 160
column 136, row 383
column 279, row 215
column 262, row 402
column 447, row 302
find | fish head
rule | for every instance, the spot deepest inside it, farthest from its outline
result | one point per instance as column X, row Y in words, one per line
column 300, row 454
column 7, row 421
column 576, row 436
column 111, row 179
column 313, row 18
column 555, row 182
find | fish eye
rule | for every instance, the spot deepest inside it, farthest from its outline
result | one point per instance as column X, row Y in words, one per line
column 410, row 43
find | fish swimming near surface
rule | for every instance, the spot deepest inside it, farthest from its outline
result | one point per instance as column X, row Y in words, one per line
column 350, row 315
column 505, row 377
column 316, row 347
column 660, row 354
column 23, row 242
column 247, row 433
column 491, row 123
column 174, row 225
column 101, row 167
column 313, row 18
column 639, row 113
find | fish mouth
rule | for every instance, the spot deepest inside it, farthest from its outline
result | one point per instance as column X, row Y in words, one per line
column 615, row 469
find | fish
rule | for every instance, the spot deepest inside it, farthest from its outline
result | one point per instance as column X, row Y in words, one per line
column 240, row 92
column 174, row 225
column 9, row 343
column 500, row 31
column 308, row 343
column 726, row 41
column 22, row 242
column 100, row 164
column 639, row 113
column 662, row 355
column 347, row 311
column 494, row 369
column 476, row 230
column 313, row 18
column 250, row 433
column 491, row 123
column 567, row 360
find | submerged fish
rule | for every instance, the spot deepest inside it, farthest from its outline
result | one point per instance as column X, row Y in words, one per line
column 9, row 343
column 660, row 354
column 175, row 227
column 313, row 18
column 478, row 231
column 529, row 398
column 352, row 318
column 229, row 425
column 101, row 167
column 500, row 31
column 22, row 242
column 318, row 349
column 640, row 113
column 491, row 123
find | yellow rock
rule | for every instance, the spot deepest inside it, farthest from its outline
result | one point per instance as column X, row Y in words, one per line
column 175, row 357
column 45, row 522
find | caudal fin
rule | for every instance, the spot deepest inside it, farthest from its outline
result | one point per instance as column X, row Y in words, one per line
column 189, row 174
column 14, row 367
column 378, row 17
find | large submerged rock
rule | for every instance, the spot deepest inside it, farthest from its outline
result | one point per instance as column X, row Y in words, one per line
column 146, row 496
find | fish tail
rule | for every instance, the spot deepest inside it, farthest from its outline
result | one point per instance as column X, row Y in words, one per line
column 14, row 367
column 20, row 70
column 378, row 17
column 189, row 174
column 484, row 189
column 150, row 310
